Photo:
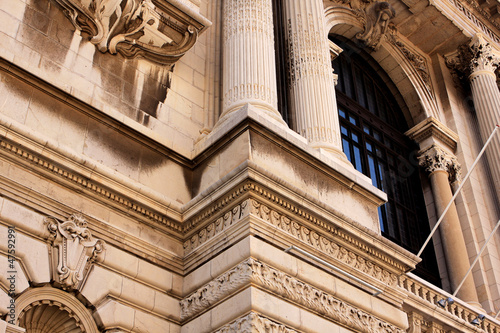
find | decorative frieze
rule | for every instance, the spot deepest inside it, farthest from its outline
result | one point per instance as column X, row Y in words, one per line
column 153, row 29
column 255, row 272
column 323, row 243
column 230, row 218
column 74, row 250
column 252, row 323
column 474, row 19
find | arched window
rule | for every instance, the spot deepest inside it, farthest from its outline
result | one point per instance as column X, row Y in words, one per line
column 372, row 127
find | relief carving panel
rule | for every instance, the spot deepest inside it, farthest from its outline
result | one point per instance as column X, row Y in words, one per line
column 255, row 272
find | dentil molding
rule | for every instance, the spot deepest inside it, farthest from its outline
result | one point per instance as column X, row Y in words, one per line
column 255, row 272
column 158, row 30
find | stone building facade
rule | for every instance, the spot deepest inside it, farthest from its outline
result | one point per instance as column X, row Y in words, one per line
column 199, row 166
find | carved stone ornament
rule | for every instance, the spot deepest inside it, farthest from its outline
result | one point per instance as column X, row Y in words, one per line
column 378, row 17
column 484, row 56
column 252, row 323
column 153, row 29
column 474, row 57
column 254, row 272
column 74, row 250
column 435, row 158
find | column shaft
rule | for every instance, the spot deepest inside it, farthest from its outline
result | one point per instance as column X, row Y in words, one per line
column 455, row 251
column 248, row 57
column 486, row 97
column 311, row 82
column 440, row 166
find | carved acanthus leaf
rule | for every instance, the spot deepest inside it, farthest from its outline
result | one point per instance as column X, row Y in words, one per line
column 435, row 158
column 74, row 250
column 252, row 271
column 146, row 28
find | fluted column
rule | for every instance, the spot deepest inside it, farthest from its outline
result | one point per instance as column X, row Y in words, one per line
column 249, row 69
column 440, row 165
column 486, row 97
column 311, row 82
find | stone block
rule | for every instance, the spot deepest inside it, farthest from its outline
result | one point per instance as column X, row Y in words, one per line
column 166, row 305
column 113, row 314
column 101, row 283
column 9, row 25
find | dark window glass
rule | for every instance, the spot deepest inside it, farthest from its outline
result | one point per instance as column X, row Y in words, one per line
column 371, row 128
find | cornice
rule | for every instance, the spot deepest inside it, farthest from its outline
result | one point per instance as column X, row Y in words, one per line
column 255, row 272
column 251, row 198
column 465, row 19
column 433, row 128
column 95, row 188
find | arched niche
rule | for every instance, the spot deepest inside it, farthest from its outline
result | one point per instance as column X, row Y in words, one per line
column 50, row 310
column 406, row 68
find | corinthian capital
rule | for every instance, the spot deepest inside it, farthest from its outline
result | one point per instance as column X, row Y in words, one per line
column 484, row 56
column 435, row 158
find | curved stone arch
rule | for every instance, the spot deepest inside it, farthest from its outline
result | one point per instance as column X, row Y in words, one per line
column 47, row 309
column 414, row 95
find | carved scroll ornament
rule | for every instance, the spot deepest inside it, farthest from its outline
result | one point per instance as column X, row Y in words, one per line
column 74, row 250
column 160, row 33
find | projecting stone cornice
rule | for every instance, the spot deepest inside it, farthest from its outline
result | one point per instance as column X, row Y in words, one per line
column 158, row 30
column 432, row 131
column 466, row 19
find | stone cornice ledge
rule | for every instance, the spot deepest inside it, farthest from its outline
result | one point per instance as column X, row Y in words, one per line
column 432, row 131
column 248, row 115
column 19, row 142
column 255, row 272
column 463, row 18
column 211, row 215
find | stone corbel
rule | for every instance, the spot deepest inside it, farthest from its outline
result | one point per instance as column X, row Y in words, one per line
column 73, row 251
column 158, row 30
column 378, row 17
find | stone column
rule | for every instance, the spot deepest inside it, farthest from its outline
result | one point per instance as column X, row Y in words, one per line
column 486, row 97
column 249, row 68
column 311, row 82
column 439, row 164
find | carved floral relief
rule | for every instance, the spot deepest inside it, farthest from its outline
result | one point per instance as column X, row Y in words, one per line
column 255, row 272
